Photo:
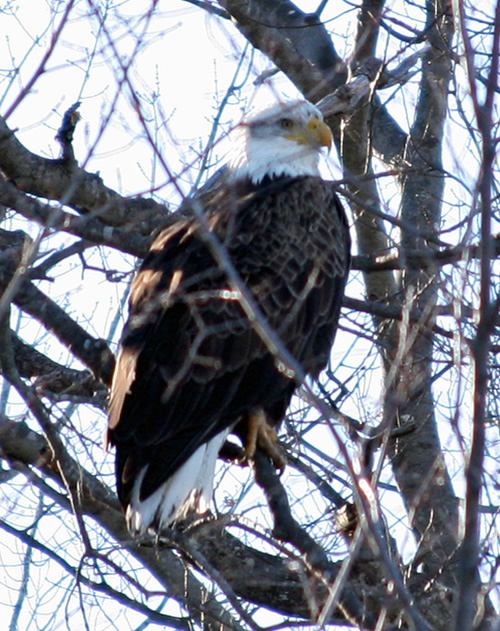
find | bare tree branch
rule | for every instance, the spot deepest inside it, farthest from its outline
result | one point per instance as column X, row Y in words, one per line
column 62, row 180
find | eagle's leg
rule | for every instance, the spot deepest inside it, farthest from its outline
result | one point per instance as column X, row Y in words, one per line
column 260, row 434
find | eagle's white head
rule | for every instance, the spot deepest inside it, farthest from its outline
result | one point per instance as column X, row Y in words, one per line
column 284, row 139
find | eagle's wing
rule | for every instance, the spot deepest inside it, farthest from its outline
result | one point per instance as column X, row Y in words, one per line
column 191, row 363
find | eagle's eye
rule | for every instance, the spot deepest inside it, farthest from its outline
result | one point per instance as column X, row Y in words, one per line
column 285, row 123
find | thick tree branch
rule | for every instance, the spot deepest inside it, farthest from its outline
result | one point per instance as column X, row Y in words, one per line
column 265, row 579
column 93, row 352
column 295, row 41
column 288, row 530
column 64, row 181
column 88, row 227
column 434, row 513
column 51, row 377
column 18, row 442
column 423, row 257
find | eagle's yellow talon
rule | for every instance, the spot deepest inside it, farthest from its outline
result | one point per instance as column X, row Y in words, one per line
column 262, row 435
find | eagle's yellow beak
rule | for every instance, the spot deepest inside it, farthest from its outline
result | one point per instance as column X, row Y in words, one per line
column 316, row 134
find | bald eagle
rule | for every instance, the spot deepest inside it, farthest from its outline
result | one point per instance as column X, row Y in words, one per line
column 193, row 366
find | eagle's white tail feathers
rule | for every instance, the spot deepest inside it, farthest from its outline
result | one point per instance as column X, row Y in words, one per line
column 188, row 490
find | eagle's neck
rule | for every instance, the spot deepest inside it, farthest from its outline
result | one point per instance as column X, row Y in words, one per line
column 258, row 158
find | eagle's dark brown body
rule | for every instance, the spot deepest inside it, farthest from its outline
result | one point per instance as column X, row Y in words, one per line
column 192, row 363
